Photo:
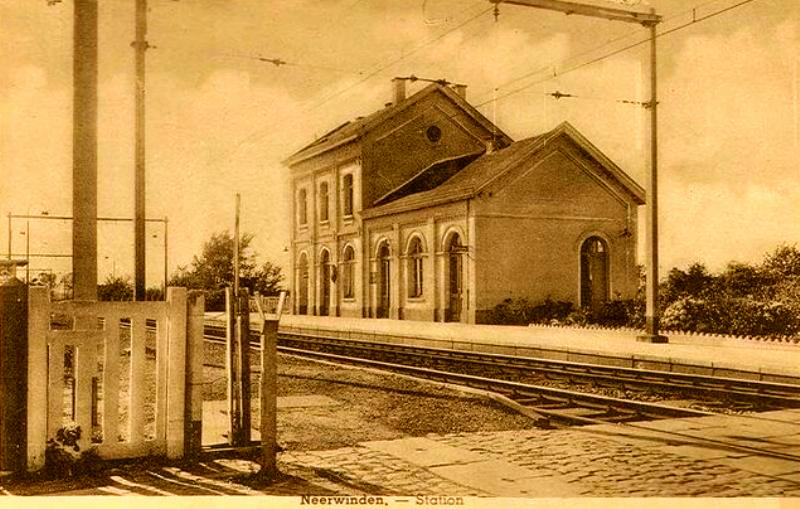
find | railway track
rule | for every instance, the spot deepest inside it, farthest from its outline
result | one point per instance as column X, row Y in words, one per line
column 745, row 392
column 547, row 404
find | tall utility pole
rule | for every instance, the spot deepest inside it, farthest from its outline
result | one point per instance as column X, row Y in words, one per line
column 650, row 20
column 84, row 150
column 236, row 248
column 140, row 46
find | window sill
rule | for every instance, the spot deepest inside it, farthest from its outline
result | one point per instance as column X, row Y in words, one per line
column 349, row 299
column 324, row 223
column 416, row 299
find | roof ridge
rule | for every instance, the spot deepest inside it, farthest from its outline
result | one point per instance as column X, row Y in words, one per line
column 375, row 118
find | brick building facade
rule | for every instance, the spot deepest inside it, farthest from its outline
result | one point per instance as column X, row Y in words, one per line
column 425, row 210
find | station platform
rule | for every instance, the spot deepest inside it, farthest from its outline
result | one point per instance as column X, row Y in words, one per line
column 698, row 354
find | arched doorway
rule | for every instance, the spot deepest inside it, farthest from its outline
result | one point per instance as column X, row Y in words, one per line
column 302, row 304
column 384, row 281
column 325, row 283
column 455, row 278
column 594, row 273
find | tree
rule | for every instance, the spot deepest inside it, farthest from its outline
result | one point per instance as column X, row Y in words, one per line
column 742, row 280
column 66, row 282
column 783, row 262
column 267, row 279
column 47, row 279
column 213, row 269
column 693, row 282
column 115, row 288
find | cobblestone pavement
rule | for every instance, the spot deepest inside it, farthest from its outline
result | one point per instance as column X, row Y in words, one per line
column 611, row 467
column 594, row 461
column 363, row 470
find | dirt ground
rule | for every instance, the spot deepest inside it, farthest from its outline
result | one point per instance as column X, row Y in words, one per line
column 366, row 405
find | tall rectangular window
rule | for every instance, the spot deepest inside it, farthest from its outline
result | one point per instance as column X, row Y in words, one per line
column 323, row 201
column 302, row 207
column 347, row 192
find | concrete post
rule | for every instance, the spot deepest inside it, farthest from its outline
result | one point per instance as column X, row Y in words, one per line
column 13, row 367
column 176, row 371
column 84, row 151
column 193, row 414
column 38, row 325
column 269, row 400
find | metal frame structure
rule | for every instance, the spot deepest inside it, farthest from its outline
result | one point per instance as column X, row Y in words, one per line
column 649, row 20
column 29, row 255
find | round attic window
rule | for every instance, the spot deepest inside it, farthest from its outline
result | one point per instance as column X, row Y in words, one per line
column 433, row 133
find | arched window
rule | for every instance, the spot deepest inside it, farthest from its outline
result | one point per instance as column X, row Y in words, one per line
column 347, row 195
column 348, row 271
column 325, row 274
column 455, row 270
column 302, row 207
column 302, row 307
column 384, row 281
column 323, row 201
column 415, row 268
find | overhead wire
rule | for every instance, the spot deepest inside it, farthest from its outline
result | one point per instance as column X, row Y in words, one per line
column 278, row 62
column 258, row 133
column 552, row 67
column 694, row 21
column 398, row 59
column 496, row 98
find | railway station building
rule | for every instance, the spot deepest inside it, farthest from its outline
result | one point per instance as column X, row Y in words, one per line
column 425, row 210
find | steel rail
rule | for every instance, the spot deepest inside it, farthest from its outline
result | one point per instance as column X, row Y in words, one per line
column 784, row 394
column 525, row 394
column 787, row 395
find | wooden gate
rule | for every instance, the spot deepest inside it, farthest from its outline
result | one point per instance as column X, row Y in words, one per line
column 119, row 370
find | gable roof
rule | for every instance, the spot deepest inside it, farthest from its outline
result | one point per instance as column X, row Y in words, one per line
column 354, row 129
column 486, row 169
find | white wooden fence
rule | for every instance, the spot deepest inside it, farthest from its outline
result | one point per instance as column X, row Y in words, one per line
column 125, row 378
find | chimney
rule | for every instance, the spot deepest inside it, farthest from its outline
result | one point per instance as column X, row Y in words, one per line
column 399, row 89
column 461, row 90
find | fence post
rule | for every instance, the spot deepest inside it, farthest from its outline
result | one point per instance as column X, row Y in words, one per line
column 230, row 368
column 243, row 335
column 269, row 390
column 193, row 416
column 176, row 370
column 269, row 407
column 13, row 367
column 38, row 325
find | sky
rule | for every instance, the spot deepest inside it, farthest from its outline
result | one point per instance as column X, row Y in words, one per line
column 220, row 121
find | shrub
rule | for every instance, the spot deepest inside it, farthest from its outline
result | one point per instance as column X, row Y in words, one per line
column 522, row 312
column 63, row 455
column 580, row 318
column 759, row 318
column 692, row 314
column 154, row 293
column 215, row 300
column 739, row 316
column 615, row 313
column 509, row 312
column 549, row 311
